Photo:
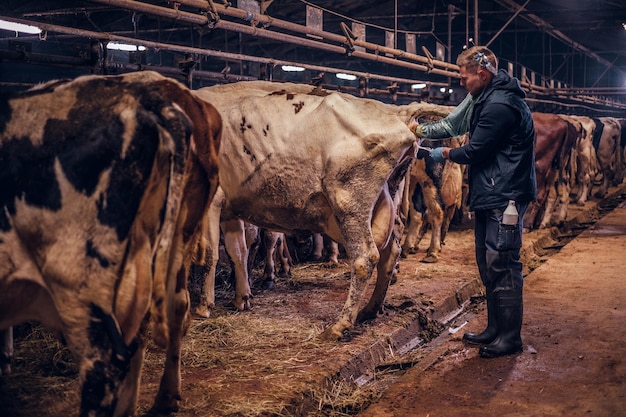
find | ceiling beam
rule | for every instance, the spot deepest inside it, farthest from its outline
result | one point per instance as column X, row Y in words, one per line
column 557, row 34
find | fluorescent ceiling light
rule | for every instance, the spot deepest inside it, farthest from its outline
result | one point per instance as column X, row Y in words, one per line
column 292, row 68
column 418, row 86
column 348, row 77
column 18, row 27
column 125, row 47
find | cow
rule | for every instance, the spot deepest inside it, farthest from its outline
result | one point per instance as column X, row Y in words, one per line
column 6, row 350
column 94, row 221
column 554, row 139
column 621, row 158
column 275, row 253
column 277, row 257
column 298, row 158
column 584, row 163
column 323, row 244
column 607, row 149
column 433, row 192
column 190, row 244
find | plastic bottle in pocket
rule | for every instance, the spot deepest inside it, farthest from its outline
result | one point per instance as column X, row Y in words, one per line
column 510, row 215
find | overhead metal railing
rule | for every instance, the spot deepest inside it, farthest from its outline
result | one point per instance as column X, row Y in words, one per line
column 202, row 20
column 105, row 36
column 343, row 45
column 546, row 27
column 267, row 21
column 447, row 69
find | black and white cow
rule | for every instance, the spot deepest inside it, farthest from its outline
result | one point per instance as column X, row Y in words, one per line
column 93, row 175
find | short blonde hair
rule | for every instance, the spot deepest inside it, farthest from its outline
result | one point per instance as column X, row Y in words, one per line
column 476, row 56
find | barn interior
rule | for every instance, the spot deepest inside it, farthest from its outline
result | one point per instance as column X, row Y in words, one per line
column 570, row 55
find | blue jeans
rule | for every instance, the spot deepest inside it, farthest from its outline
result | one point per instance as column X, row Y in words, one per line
column 498, row 249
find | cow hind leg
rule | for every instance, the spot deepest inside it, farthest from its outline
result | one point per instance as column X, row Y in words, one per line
column 414, row 233
column 283, row 257
column 270, row 242
column 435, row 219
column 604, row 186
column 169, row 395
column 448, row 216
column 333, row 253
column 386, row 269
column 362, row 268
column 235, row 244
column 6, row 350
column 210, row 230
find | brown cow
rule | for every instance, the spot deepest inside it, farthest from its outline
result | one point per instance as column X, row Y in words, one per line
column 433, row 192
column 190, row 243
column 553, row 144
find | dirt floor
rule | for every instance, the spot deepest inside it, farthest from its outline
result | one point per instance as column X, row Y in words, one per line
column 573, row 363
column 269, row 361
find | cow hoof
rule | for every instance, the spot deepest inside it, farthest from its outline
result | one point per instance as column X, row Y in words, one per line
column 268, row 284
column 331, row 335
column 242, row 304
column 365, row 315
column 202, row 312
column 336, row 332
column 412, row 251
column 5, row 369
column 430, row 259
column 165, row 404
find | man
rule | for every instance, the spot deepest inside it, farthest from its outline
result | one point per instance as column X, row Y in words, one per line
column 501, row 159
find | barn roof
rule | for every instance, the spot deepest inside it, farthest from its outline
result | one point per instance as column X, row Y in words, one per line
column 572, row 52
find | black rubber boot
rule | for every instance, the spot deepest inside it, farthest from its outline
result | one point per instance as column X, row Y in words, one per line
column 489, row 334
column 510, row 311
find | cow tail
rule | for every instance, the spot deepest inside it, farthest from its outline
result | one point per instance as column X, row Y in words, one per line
column 174, row 144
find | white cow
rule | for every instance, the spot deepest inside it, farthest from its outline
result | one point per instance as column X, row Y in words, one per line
column 297, row 158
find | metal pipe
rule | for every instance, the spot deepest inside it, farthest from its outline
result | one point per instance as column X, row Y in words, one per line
column 476, row 33
column 255, row 31
column 205, row 52
column 395, row 25
column 174, row 72
column 174, row 14
column 268, row 21
column 546, row 27
column 450, row 17
column 508, row 22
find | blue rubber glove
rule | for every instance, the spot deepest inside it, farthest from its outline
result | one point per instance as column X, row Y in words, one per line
column 437, row 154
